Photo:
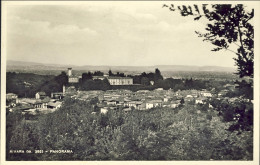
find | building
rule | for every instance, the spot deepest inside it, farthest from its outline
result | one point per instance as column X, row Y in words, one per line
column 153, row 103
column 57, row 95
column 12, row 99
column 120, row 80
column 10, row 96
column 72, row 78
column 104, row 110
column 135, row 104
column 40, row 95
column 206, row 94
column 98, row 77
column 201, row 100
column 54, row 105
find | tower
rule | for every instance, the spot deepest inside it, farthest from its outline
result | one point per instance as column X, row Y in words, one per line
column 69, row 72
column 63, row 89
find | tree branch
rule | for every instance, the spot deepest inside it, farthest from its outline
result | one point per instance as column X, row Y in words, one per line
column 232, row 51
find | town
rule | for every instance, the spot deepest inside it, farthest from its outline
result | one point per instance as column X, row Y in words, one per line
column 116, row 99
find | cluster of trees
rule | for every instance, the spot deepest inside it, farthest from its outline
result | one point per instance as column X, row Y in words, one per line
column 89, row 75
column 26, row 84
column 244, row 89
column 118, row 74
column 146, row 78
column 55, row 84
column 136, row 135
column 239, row 113
column 94, row 85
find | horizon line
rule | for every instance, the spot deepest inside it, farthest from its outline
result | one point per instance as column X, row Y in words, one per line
column 120, row 65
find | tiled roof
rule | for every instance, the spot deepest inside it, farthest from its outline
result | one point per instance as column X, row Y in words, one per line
column 42, row 93
column 57, row 103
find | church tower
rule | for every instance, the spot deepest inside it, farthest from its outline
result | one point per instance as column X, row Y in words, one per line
column 69, row 72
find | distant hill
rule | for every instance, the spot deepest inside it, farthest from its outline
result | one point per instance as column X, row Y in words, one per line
column 33, row 66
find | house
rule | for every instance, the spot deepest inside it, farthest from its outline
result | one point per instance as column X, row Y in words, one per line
column 159, row 89
column 112, row 102
column 206, row 94
column 98, row 77
column 21, row 107
column 188, row 99
column 135, row 104
column 70, row 90
column 11, row 96
column 57, row 95
column 72, row 78
column 12, row 99
column 104, row 110
column 166, row 99
column 54, row 104
column 40, row 95
column 166, row 104
column 222, row 93
column 201, row 100
column 120, row 80
column 175, row 104
column 153, row 103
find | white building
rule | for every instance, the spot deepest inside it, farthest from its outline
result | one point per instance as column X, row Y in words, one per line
column 120, row 80
column 98, row 77
column 10, row 96
column 153, row 104
column 200, row 100
column 206, row 94
column 40, row 95
column 103, row 110
column 72, row 78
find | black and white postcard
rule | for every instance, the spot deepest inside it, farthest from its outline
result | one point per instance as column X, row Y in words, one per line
column 114, row 82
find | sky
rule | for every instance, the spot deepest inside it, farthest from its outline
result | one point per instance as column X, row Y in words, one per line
column 107, row 33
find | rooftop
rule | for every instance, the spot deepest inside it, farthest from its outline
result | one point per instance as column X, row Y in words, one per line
column 119, row 77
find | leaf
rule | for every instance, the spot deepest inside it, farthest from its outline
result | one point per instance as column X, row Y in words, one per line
column 197, row 18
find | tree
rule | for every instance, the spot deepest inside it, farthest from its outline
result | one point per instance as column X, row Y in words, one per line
column 182, row 101
column 62, row 79
column 110, row 73
column 145, row 81
column 98, row 73
column 157, row 75
column 86, row 76
column 228, row 24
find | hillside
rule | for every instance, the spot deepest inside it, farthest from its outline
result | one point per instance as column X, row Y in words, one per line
column 32, row 66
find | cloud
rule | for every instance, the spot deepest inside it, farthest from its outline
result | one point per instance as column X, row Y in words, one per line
column 43, row 32
column 104, row 34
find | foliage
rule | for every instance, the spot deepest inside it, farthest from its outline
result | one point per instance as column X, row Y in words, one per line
column 86, row 76
column 25, row 84
column 238, row 112
column 227, row 24
column 156, row 77
column 118, row 74
column 158, row 134
column 95, row 85
column 244, row 89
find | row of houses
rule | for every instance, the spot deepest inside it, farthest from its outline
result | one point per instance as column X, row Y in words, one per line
column 41, row 103
column 127, row 100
